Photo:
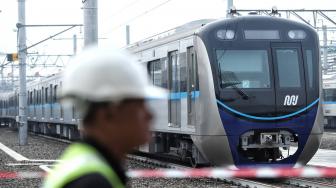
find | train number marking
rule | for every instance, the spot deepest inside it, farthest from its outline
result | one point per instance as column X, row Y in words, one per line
column 291, row 100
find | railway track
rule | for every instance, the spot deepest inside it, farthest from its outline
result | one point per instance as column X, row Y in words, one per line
column 309, row 183
column 153, row 163
column 150, row 163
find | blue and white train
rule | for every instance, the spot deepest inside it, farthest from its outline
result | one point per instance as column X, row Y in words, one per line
column 329, row 104
column 243, row 91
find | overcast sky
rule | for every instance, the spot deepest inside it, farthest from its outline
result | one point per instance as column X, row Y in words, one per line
column 114, row 15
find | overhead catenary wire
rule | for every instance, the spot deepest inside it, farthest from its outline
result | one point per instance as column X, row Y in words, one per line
column 138, row 16
column 127, row 6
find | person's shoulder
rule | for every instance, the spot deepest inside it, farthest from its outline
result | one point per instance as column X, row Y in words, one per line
column 89, row 180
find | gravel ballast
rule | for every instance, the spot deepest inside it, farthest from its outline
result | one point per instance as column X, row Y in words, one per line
column 43, row 148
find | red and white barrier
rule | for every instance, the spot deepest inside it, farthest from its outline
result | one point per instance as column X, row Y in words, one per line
column 21, row 175
column 306, row 172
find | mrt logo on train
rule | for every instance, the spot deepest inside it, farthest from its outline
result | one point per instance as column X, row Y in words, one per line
column 291, row 100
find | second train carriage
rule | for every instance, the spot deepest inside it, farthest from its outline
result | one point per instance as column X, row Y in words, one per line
column 329, row 104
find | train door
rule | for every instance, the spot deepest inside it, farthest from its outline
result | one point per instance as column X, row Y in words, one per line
column 192, row 89
column 289, row 78
column 174, row 100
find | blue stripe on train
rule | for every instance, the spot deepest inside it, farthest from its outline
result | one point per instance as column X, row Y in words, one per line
column 329, row 102
column 268, row 118
column 181, row 95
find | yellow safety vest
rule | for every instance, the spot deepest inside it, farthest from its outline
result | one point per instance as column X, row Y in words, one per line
column 79, row 160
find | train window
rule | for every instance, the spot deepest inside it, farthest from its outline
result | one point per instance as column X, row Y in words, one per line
column 309, row 60
column 28, row 100
column 329, row 95
column 164, row 65
column 155, row 72
column 244, row 68
column 28, row 97
column 55, row 94
column 174, row 72
column 46, row 95
column 288, row 67
column 262, row 34
column 183, row 71
column 39, row 97
column 42, row 95
column 51, row 94
column 35, row 97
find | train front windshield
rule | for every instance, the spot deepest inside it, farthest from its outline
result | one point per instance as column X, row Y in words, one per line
column 243, row 68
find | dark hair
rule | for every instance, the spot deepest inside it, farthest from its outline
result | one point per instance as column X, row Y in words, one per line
column 90, row 114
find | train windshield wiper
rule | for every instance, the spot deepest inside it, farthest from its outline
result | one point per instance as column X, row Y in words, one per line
column 240, row 92
column 230, row 79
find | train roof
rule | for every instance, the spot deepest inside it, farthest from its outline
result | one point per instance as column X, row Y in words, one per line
column 196, row 26
column 179, row 32
column 257, row 21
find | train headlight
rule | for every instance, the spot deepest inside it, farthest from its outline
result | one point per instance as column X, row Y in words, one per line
column 225, row 34
column 297, row 34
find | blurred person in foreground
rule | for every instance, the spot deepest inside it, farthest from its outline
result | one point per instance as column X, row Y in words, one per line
column 110, row 89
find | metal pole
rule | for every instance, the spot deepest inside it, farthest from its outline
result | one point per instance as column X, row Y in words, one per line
column 22, row 68
column 325, row 48
column 13, row 76
column 2, row 78
column 229, row 6
column 74, row 44
column 127, row 34
column 90, row 22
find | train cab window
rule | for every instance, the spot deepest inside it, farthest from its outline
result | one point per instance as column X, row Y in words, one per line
column 243, row 68
column 288, row 67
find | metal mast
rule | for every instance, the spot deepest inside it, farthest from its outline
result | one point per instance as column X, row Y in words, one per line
column 127, row 34
column 90, row 22
column 22, row 68
column 325, row 48
column 229, row 6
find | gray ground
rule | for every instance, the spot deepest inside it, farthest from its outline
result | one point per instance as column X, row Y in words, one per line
column 41, row 148
column 37, row 148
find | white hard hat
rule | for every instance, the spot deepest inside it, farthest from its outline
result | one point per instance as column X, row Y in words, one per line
column 107, row 74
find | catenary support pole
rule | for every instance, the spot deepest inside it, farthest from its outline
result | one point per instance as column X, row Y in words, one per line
column 228, row 7
column 127, row 34
column 74, row 44
column 325, row 48
column 22, row 119
column 90, row 22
